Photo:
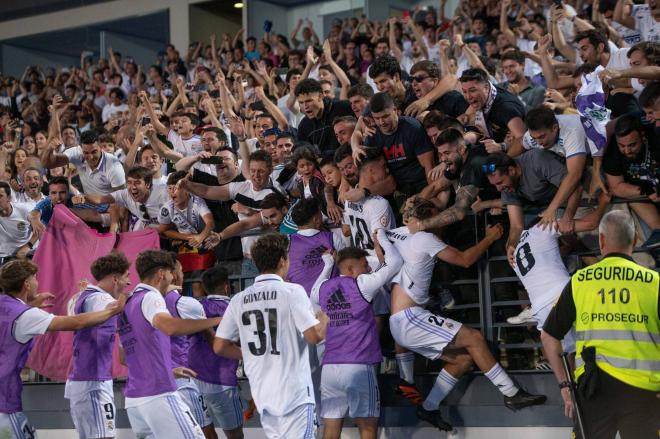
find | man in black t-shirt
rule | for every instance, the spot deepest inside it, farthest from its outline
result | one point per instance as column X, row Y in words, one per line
column 316, row 126
column 497, row 110
column 463, row 163
column 229, row 252
column 424, row 77
column 632, row 166
column 403, row 142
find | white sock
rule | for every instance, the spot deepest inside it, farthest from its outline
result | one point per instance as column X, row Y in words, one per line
column 441, row 388
column 502, row 380
column 406, row 363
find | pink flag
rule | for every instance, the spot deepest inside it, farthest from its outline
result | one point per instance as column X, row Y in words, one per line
column 64, row 257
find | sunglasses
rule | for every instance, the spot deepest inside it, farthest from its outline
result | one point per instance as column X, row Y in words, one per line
column 418, row 78
column 145, row 214
column 489, row 168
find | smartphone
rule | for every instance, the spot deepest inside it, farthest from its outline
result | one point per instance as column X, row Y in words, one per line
column 268, row 25
column 146, row 120
column 244, row 83
column 558, row 3
column 215, row 160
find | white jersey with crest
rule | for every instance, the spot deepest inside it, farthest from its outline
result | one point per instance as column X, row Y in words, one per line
column 268, row 319
column 419, row 255
column 365, row 217
column 539, row 266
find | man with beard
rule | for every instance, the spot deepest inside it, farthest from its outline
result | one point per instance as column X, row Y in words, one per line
column 31, row 195
column 462, row 163
column 631, row 167
column 496, row 110
column 212, row 139
column 513, row 66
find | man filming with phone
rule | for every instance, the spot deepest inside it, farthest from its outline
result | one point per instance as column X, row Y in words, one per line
column 213, row 139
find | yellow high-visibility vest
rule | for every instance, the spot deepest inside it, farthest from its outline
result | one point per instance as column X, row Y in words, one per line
column 616, row 304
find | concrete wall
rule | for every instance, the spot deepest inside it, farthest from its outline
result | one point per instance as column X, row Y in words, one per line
column 203, row 23
column 15, row 59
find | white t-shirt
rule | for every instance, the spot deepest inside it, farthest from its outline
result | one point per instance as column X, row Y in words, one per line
column 185, row 147
column 539, row 266
column 243, row 192
column 292, row 117
column 157, row 198
column 571, row 139
column 22, row 198
column 107, row 175
column 619, row 59
column 268, row 319
column 15, row 230
column 189, row 220
column 531, row 68
column 419, row 255
column 630, row 36
column 111, row 109
column 365, row 217
column 647, row 26
column 97, row 301
column 31, row 323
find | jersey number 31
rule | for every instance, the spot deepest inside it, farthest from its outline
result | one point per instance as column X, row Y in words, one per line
column 260, row 332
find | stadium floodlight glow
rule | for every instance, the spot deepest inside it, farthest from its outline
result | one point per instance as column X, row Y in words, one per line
column 238, row 5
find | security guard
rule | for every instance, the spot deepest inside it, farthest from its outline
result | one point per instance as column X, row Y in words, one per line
column 615, row 306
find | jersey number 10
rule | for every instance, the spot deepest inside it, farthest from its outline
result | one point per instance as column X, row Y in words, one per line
column 260, row 331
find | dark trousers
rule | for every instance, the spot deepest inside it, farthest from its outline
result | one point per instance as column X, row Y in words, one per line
column 633, row 412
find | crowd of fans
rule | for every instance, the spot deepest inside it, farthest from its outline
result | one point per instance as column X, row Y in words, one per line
column 480, row 112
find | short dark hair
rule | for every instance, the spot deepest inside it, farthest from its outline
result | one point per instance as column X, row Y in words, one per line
column 385, row 64
column 584, row 69
column 5, row 187
column 305, row 210
column 372, row 155
column 221, row 135
column 626, row 124
column 292, row 72
column 514, row 55
column 540, row 117
column 380, row 102
column 105, row 138
column 427, row 66
column 114, row 263
column 174, row 177
column 307, row 86
column 450, row 136
column 478, row 75
column 595, row 38
column 650, row 95
column 363, row 90
column 303, row 152
column 274, row 200
column 649, row 49
column 150, row 261
column 347, row 253
column 58, row 180
column 348, row 119
column 268, row 250
column 14, row 273
column 342, row 152
column 213, row 278
column 140, row 172
column 501, row 160
column 262, row 156
column 88, row 137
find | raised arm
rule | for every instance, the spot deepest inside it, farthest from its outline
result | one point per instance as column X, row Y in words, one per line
column 394, row 47
column 620, row 15
column 468, row 257
column 220, row 193
column 504, row 23
column 338, row 71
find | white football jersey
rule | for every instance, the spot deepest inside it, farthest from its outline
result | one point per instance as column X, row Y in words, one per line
column 365, row 217
column 418, row 252
column 539, row 266
column 268, row 319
